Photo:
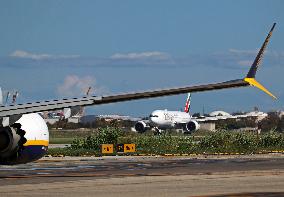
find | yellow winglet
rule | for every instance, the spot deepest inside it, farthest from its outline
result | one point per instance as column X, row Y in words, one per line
column 253, row 82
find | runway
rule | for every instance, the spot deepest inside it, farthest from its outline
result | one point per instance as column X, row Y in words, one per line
column 261, row 175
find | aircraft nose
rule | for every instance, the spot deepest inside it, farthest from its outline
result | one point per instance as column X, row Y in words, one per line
column 153, row 118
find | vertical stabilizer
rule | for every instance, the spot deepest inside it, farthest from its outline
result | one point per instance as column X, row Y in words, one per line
column 7, row 98
column 187, row 104
column 1, row 96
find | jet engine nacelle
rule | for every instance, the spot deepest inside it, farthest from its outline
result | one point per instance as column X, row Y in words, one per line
column 11, row 140
column 24, row 141
column 192, row 126
column 69, row 112
column 141, row 127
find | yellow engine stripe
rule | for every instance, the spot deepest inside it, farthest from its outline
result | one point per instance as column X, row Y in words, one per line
column 253, row 82
column 36, row 142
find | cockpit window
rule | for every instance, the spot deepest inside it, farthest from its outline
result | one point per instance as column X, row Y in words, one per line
column 151, row 116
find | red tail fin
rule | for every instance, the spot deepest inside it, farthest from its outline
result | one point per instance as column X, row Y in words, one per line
column 187, row 104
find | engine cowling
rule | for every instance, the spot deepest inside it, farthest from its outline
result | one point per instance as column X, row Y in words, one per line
column 12, row 140
column 24, row 141
column 69, row 112
column 141, row 127
column 192, row 126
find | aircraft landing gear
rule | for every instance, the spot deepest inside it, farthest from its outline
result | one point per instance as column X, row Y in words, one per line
column 157, row 131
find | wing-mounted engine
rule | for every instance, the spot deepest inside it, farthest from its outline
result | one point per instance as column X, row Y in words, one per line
column 191, row 126
column 6, row 121
column 12, row 140
column 141, row 126
column 69, row 112
column 24, row 141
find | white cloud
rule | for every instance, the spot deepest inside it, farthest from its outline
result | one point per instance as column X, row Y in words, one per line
column 24, row 54
column 74, row 86
column 34, row 56
column 246, row 57
column 66, row 56
column 245, row 62
column 272, row 53
column 244, row 52
column 141, row 56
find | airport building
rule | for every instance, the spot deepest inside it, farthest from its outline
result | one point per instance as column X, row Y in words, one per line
column 208, row 126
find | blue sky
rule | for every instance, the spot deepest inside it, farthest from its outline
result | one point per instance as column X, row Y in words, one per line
column 52, row 49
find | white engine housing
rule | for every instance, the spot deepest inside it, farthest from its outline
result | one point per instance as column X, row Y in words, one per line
column 24, row 141
column 192, row 126
column 141, row 127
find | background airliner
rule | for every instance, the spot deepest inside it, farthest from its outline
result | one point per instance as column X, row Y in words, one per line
column 164, row 119
column 160, row 120
column 24, row 135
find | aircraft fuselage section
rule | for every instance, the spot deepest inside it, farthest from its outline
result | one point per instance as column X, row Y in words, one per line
column 167, row 119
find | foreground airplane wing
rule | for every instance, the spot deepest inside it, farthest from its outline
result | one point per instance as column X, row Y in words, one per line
column 14, row 110
column 94, row 100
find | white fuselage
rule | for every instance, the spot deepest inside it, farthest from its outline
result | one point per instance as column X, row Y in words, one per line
column 168, row 119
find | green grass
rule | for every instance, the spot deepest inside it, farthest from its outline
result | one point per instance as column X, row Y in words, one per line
column 62, row 140
column 67, row 136
column 72, row 152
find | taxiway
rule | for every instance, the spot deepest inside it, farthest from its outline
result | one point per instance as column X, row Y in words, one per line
column 261, row 175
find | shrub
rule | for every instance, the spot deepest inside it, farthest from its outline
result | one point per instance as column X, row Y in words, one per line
column 243, row 142
column 221, row 141
column 273, row 140
column 215, row 142
column 107, row 135
column 164, row 144
column 224, row 141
